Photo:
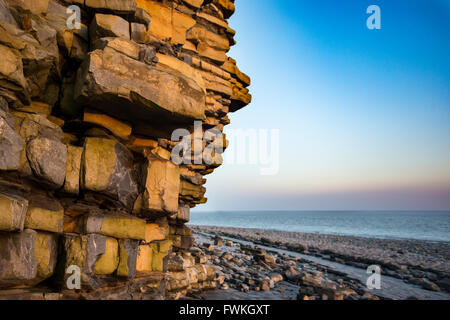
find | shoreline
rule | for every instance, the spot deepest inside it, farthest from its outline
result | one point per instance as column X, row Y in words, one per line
column 416, row 263
column 330, row 234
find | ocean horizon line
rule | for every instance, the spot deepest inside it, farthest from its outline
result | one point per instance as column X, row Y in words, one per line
column 420, row 225
column 330, row 210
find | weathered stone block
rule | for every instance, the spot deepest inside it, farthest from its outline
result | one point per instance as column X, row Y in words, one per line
column 26, row 258
column 144, row 259
column 34, row 64
column 36, row 107
column 117, row 127
column 181, row 242
column 45, row 215
column 154, row 232
column 176, row 263
column 181, row 230
column 108, row 261
column 31, row 126
column 11, row 71
column 138, row 33
column 211, row 39
column 162, row 186
column 194, row 3
column 99, row 163
column 74, row 252
column 193, row 274
column 4, row 112
column 128, row 252
column 239, row 99
column 143, row 17
column 216, row 55
column 39, row 55
column 72, row 225
column 108, row 168
column 47, row 159
column 127, row 47
column 92, row 253
column 211, row 272
column 159, row 153
column 219, row 22
column 188, row 189
column 134, row 91
column 17, row 262
column 183, row 214
column 178, row 280
column 176, row 66
column 192, row 176
column 217, row 84
column 190, row 46
column 35, row 6
column 139, row 144
column 167, row 23
column 160, row 252
column 118, row 6
column 120, row 226
column 231, row 67
column 201, row 272
column 11, row 145
column 227, row 7
column 108, row 25
column 12, row 212
column 45, row 253
column 73, row 168
column 5, row 14
column 145, row 71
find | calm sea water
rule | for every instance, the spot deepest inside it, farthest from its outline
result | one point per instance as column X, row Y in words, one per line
column 421, row 225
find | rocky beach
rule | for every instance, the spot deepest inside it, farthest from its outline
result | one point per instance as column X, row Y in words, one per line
column 267, row 264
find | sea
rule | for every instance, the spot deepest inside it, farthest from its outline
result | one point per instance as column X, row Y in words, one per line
column 418, row 225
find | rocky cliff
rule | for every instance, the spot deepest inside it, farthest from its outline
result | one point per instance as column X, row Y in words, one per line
column 92, row 203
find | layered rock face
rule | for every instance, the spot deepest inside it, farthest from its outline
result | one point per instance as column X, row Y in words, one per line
column 92, row 204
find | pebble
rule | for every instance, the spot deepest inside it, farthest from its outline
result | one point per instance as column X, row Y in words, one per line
column 249, row 268
column 409, row 260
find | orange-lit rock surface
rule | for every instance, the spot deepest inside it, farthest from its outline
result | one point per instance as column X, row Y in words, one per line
column 87, row 114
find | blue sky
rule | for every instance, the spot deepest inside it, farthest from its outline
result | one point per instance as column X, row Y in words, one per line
column 363, row 114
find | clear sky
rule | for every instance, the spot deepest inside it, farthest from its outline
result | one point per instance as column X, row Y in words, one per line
column 364, row 115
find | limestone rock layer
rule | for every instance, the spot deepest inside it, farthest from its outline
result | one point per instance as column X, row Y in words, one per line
column 91, row 92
